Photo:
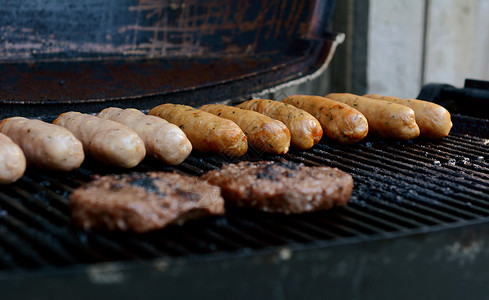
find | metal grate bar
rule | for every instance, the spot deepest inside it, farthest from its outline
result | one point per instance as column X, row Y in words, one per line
column 474, row 145
column 254, row 229
column 431, row 158
column 402, row 216
column 6, row 261
column 165, row 242
column 239, row 234
column 57, row 253
column 22, row 252
column 192, row 242
column 454, row 148
column 38, row 205
column 277, row 225
column 404, row 162
column 363, row 224
column 134, row 244
column 381, row 223
column 378, row 180
column 222, row 242
column 430, row 186
column 319, row 232
column 37, row 226
column 107, row 244
column 331, row 222
column 449, row 165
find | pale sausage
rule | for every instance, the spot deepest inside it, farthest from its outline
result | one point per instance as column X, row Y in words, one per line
column 45, row 145
column 107, row 141
column 163, row 141
column 12, row 160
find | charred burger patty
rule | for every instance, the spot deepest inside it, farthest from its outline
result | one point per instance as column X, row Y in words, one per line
column 282, row 187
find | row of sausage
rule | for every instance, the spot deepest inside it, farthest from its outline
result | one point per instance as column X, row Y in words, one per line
column 123, row 137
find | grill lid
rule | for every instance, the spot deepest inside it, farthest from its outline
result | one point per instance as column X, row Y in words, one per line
column 138, row 53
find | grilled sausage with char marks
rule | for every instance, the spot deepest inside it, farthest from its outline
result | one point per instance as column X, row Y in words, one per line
column 341, row 123
column 264, row 133
column 206, row 132
column 385, row 119
column 305, row 130
column 434, row 120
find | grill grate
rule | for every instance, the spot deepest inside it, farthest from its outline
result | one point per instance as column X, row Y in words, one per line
column 399, row 187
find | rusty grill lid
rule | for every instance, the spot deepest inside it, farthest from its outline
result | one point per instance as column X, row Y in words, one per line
column 138, row 53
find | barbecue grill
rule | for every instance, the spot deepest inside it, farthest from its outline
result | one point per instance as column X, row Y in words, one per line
column 417, row 222
column 418, row 208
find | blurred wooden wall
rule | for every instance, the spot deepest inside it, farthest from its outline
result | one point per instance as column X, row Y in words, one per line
column 393, row 47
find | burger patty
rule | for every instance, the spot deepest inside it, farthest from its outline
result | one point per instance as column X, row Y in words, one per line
column 282, row 187
column 142, row 202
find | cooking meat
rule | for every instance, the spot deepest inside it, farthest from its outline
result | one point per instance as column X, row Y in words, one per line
column 12, row 160
column 264, row 133
column 305, row 130
column 45, row 145
column 341, row 123
column 105, row 140
column 143, row 202
column 434, row 120
column 385, row 119
column 163, row 141
column 282, row 187
column 206, row 132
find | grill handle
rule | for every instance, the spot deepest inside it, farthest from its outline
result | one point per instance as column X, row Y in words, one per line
column 471, row 100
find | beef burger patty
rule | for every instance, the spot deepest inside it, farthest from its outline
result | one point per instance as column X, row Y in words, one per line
column 282, row 187
column 143, row 202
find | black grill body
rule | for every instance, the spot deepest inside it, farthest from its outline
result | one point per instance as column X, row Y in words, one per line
column 417, row 222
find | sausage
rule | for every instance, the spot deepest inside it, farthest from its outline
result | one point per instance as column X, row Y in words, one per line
column 104, row 140
column 385, row 119
column 45, row 145
column 12, row 160
column 206, row 132
column 163, row 141
column 434, row 120
column 341, row 123
column 264, row 133
column 305, row 130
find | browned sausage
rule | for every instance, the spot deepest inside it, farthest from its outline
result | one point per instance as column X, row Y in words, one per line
column 305, row 130
column 12, row 160
column 340, row 122
column 264, row 133
column 107, row 141
column 206, row 132
column 163, row 141
column 385, row 119
column 45, row 145
column 434, row 120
